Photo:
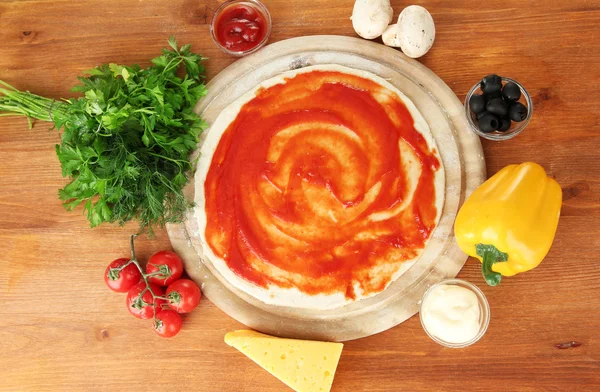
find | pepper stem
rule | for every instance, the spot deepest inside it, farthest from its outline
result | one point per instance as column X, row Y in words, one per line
column 490, row 255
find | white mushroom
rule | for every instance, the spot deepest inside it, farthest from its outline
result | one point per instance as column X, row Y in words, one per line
column 371, row 17
column 416, row 31
column 390, row 36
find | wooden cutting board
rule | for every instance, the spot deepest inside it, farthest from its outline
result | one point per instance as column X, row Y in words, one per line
column 464, row 166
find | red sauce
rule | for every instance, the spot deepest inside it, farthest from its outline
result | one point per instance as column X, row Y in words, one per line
column 296, row 176
column 240, row 27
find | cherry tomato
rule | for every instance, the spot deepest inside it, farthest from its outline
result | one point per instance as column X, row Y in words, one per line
column 121, row 281
column 140, row 305
column 167, row 323
column 167, row 266
column 183, row 295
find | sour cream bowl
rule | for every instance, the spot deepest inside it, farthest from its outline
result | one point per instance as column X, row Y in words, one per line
column 454, row 313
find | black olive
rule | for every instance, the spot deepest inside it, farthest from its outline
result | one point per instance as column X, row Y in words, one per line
column 504, row 124
column 488, row 123
column 491, row 84
column 477, row 103
column 497, row 106
column 511, row 91
column 482, row 114
column 517, row 112
column 497, row 94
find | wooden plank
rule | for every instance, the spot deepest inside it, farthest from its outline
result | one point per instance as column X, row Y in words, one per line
column 62, row 330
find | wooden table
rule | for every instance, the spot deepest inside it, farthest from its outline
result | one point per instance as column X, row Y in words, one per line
column 61, row 329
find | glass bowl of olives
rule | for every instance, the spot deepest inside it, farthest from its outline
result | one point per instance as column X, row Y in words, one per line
column 498, row 108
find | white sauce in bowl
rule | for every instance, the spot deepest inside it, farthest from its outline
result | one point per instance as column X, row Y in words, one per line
column 451, row 313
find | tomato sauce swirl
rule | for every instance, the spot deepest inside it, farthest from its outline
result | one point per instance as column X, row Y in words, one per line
column 321, row 183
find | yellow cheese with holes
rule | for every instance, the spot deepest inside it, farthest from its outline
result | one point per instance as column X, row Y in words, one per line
column 303, row 365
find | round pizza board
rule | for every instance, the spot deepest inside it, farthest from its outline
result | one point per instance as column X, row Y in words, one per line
column 459, row 148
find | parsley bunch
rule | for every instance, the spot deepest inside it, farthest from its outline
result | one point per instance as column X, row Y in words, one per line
column 126, row 143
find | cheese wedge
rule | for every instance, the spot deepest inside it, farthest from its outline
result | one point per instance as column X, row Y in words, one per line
column 303, row 365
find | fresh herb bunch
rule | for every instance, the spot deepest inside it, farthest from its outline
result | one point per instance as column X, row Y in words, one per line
column 126, row 144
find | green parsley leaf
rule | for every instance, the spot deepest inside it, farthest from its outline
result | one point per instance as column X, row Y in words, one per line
column 126, row 143
column 173, row 43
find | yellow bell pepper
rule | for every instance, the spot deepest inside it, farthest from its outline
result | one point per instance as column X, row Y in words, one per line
column 509, row 222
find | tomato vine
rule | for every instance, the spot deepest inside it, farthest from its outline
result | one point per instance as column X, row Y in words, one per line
column 139, row 300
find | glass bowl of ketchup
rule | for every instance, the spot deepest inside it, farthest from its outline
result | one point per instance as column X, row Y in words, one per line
column 241, row 27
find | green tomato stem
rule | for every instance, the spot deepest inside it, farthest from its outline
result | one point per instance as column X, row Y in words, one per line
column 174, row 297
column 144, row 277
column 121, row 268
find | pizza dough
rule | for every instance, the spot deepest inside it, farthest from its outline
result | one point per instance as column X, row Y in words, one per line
column 319, row 224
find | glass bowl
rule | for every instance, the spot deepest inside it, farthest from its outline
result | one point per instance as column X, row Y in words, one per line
column 484, row 312
column 515, row 128
column 256, row 5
